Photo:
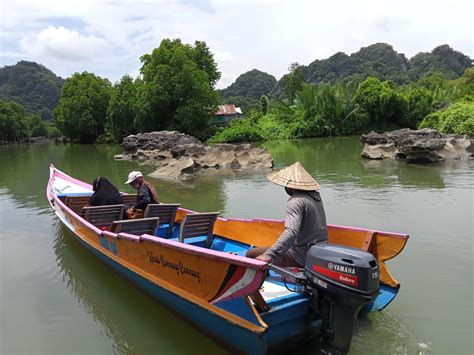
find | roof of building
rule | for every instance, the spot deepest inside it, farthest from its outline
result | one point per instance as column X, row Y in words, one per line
column 228, row 110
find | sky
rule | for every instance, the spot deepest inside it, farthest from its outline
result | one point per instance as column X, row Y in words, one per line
column 108, row 37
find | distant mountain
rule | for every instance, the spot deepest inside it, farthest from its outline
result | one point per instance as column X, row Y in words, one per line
column 251, row 84
column 379, row 60
column 442, row 59
column 33, row 86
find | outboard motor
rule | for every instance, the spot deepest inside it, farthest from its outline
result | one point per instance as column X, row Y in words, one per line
column 345, row 279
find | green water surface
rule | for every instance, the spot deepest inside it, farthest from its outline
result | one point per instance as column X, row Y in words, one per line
column 57, row 298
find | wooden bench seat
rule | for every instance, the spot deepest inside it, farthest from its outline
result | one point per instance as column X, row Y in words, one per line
column 76, row 203
column 136, row 226
column 197, row 225
column 102, row 216
column 129, row 199
column 165, row 212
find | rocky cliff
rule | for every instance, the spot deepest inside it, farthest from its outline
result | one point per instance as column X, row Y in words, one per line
column 416, row 146
column 179, row 156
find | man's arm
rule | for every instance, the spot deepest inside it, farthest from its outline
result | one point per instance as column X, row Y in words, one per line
column 293, row 218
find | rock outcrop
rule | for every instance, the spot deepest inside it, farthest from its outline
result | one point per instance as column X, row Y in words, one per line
column 416, row 146
column 180, row 156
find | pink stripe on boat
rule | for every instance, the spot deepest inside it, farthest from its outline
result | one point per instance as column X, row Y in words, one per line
column 110, row 234
column 133, row 237
column 235, row 259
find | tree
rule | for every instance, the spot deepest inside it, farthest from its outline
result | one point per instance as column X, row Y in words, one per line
column 178, row 88
column 264, row 104
column 13, row 123
column 293, row 81
column 382, row 103
column 419, row 104
column 121, row 111
column 38, row 127
column 81, row 112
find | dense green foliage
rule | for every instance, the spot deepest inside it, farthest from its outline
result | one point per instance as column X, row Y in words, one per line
column 16, row 126
column 458, row 118
column 374, row 88
column 443, row 59
column 13, row 122
column 380, row 101
column 121, row 110
column 178, row 88
column 293, row 81
column 82, row 109
column 347, row 109
column 31, row 85
column 239, row 131
column 176, row 91
column 264, row 104
column 251, row 84
column 378, row 60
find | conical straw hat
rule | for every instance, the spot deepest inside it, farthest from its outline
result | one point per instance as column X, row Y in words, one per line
column 295, row 177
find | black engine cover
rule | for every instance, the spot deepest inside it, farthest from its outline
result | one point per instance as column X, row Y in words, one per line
column 348, row 268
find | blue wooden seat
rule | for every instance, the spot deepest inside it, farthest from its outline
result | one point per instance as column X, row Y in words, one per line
column 198, row 228
column 136, row 226
column 166, row 213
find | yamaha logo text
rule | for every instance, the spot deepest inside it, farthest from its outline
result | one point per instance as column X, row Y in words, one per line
column 341, row 268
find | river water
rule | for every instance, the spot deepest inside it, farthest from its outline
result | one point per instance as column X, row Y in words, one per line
column 57, row 298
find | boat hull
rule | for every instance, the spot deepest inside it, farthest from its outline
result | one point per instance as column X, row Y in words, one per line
column 209, row 288
column 216, row 327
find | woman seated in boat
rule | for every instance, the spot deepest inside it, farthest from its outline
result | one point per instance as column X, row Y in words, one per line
column 146, row 193
column 305, row 219
column 104, row 193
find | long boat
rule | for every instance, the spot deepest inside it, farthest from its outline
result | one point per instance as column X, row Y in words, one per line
column 243, row 303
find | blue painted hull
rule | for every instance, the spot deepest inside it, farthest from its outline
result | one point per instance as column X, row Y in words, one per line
column 215, row 326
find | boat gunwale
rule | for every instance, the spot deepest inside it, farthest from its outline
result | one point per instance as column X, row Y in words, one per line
column 192, row 249
column 253, row 220
column 394, row 283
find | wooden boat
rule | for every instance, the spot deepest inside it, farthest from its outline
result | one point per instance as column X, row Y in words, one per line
column 207, row 279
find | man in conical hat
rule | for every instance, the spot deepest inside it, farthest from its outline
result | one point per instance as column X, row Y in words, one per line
column 305, row 219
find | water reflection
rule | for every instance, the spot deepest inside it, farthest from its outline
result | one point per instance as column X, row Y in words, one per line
column 432, row 203
column 337, row 161
column 134, row 322
column 409, row 175
column 25, row 173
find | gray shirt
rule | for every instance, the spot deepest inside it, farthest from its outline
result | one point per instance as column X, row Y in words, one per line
column 305, row 225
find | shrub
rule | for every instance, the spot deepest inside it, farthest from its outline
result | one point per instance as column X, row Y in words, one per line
column 238, row 131
column 457, row 118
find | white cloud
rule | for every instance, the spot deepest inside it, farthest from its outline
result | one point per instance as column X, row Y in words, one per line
column 222, row 56
column 108, row 37
column 63, row 44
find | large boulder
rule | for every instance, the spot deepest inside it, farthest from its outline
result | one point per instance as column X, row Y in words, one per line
column 416, row 146
column 179, row 156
